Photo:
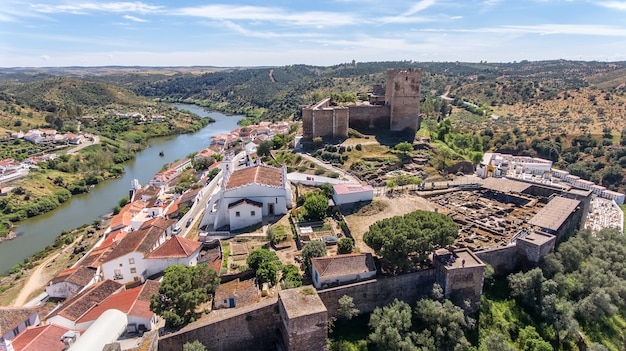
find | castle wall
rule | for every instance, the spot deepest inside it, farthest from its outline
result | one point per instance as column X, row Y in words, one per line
column 380, row 292
column 252, row 328
column 365, row 117
column 534, row 252
column 503, row 260
column 403, row 95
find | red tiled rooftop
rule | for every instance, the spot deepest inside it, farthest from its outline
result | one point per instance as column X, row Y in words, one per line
column 158, row 222
column 340, row 265
column 135, row 302
column 141, row 240
column 175, row 247
column 76, row 306
column 11, row 317
column 80, row 275
column 42, row 338
column 263, row 175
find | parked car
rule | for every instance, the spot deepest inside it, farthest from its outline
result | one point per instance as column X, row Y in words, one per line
column 189, row 222
column 176, row 230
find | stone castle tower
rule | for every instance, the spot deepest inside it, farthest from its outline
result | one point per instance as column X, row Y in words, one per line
column 402, row 94
column 398, row 110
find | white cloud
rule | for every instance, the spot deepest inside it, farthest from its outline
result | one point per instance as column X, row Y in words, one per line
column 86, row 7
column 261, row 34
column 568, row 29
column 134, row 19
column 268, row 14
column 615, row 5
column 405, row 17
column 44, row 57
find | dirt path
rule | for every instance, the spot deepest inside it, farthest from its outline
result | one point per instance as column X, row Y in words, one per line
column 37, row 279
column 396, row 206
column 41, row 275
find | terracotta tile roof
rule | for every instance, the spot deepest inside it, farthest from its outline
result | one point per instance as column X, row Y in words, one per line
column 176, row 247
column 79, row 304
column 149, row 192
column 190, row 195
column 80, row 275
column 141, row 240
column 263, row 175
column 245, row 292
column 158, row 222
column 173, row 207
column 43, row 338
column 11, row 317
column 126, row 214
column 245, row 201
column 134, row 302
column 206, row 153
column 96, row 257
column 341, row 265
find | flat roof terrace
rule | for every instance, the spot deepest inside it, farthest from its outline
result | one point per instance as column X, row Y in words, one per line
column 555, row 213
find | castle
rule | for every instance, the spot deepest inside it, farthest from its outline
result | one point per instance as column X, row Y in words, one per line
column 394, row 106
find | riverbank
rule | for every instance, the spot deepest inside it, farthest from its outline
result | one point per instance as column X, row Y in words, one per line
column 33, row 234
column 28, row 280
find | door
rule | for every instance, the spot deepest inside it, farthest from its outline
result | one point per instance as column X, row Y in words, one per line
column 270, row 209
column 231, row 302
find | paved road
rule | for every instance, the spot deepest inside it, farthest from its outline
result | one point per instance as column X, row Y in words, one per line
column 96, row 140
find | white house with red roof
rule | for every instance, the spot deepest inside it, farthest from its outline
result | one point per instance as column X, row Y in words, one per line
column 126, row 261
column 330, row 271
column 13, row 321
column 70, row 280
column 134, row 303
column 48, row 337
column 348, row 193
column 177, row 250
column 69, row 313
column 248, row 195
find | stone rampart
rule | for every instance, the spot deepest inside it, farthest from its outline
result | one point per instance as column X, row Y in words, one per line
column 503, row 260
column 250, row 328
column 381, row 291
column 366, row 117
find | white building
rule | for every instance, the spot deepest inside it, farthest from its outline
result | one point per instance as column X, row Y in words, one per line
column 126, row 262
column 348, row 193
column 70, row 281
column 331, row 271
column 13, row 321
column 248, row 195
column 177, row 250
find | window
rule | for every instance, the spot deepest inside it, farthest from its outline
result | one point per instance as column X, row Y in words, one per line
column 133, row 270
column 131, row 260
column 121, row 265
column 252, row 213
column 16, row 331
column 237, row 214
column 27, row 322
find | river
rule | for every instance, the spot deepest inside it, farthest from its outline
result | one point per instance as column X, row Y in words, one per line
column 36, row 233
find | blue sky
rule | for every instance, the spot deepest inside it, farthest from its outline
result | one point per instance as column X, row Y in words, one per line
column 281, row 32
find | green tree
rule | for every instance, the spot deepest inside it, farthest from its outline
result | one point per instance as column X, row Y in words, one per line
column 345, row 246
column 181, row 290
column 613, row 175
column 530, row 340
column 407, row 239
column 311, row 250
column 290, row 277
column 316, row 207
column 445, row 322
column 347, row 309
column 265, row 264
column 194, row 346
column 404, row 147
column 264, row 148
column 391, row 327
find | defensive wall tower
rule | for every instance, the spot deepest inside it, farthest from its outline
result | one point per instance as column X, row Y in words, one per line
column 402, row 93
